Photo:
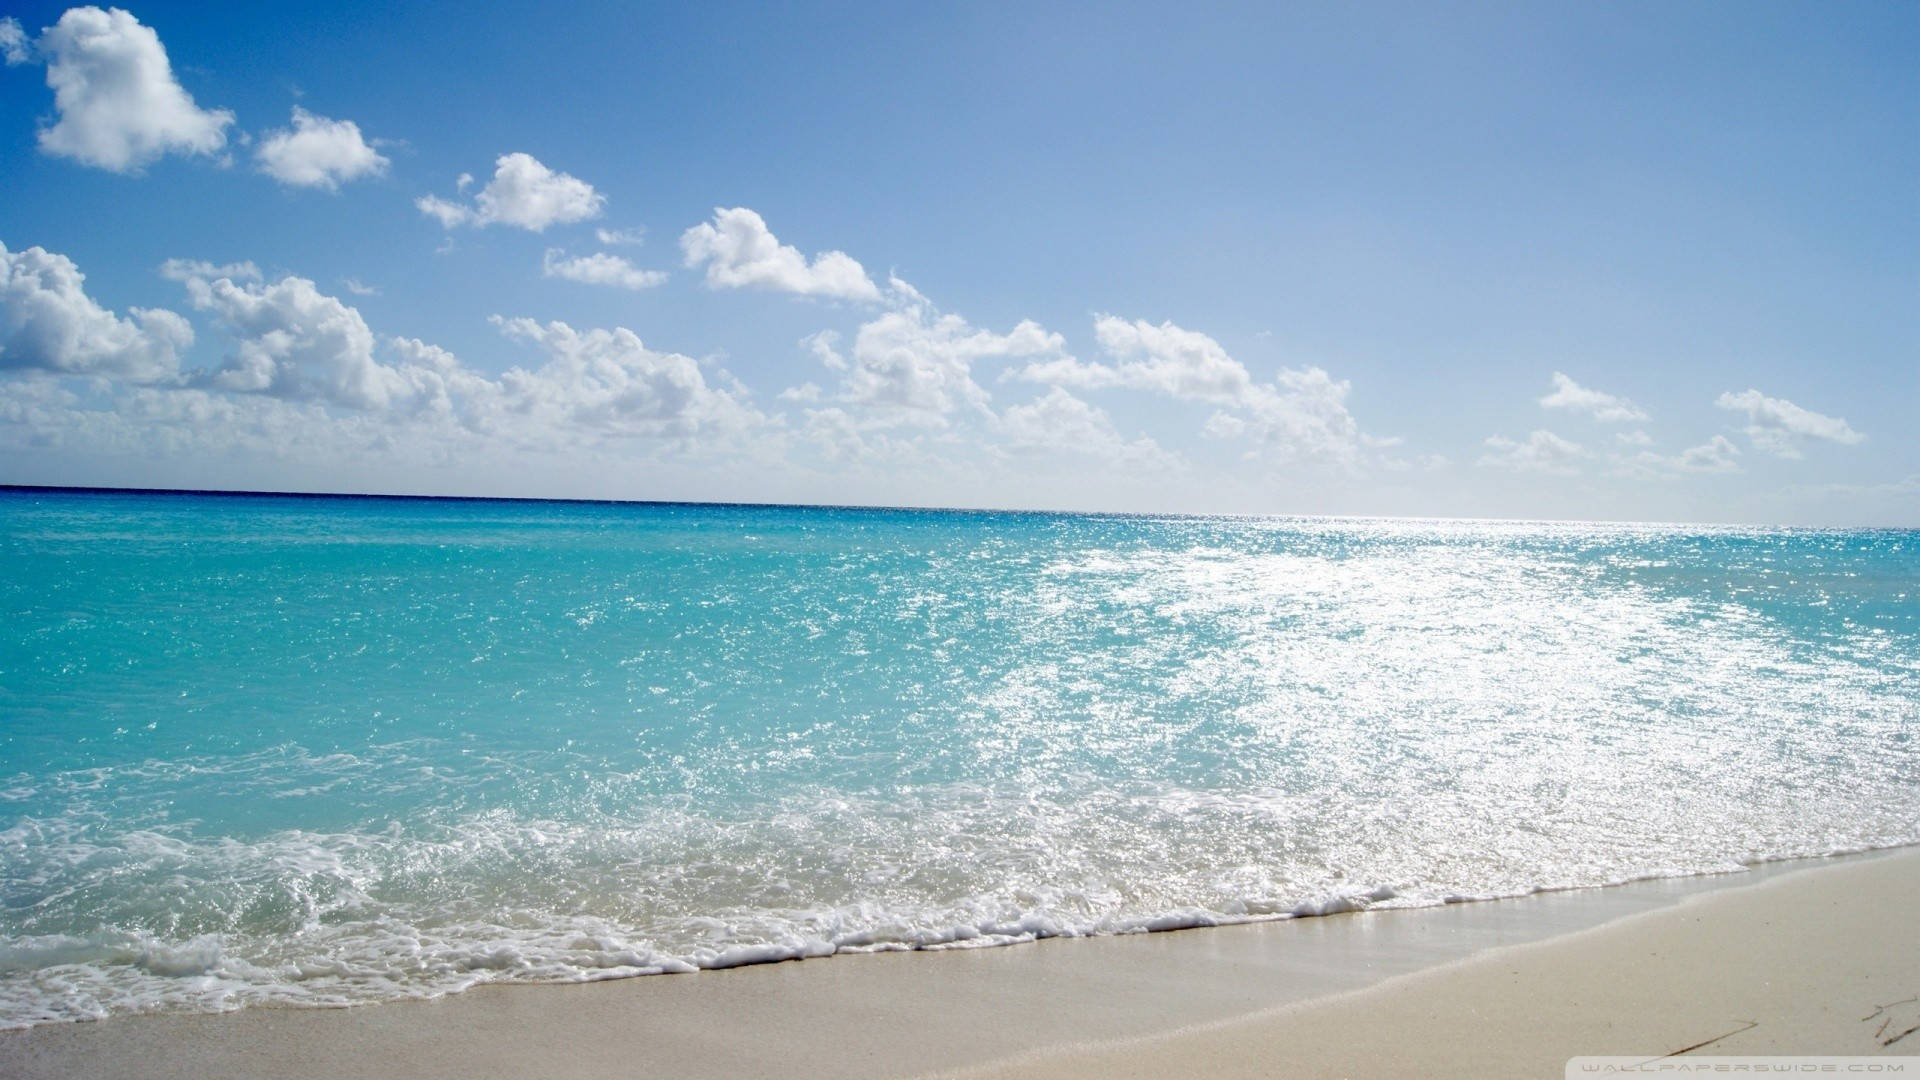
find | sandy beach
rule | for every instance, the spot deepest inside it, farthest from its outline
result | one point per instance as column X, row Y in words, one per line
column 1789, row 959
column 1810, row 963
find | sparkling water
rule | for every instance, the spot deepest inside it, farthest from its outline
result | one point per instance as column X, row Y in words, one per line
column 332, row 750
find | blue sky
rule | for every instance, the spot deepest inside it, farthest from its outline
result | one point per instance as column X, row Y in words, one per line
column 1629, row 261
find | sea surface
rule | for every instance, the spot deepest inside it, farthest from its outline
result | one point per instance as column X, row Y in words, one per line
column 334, row 750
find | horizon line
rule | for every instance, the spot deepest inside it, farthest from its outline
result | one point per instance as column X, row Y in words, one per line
column 250, row 493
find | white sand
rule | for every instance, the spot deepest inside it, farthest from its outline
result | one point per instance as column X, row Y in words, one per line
column 1799, row 965
column 1499, row 989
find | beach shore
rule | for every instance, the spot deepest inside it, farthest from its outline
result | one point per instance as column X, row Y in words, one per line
column 1788, row 959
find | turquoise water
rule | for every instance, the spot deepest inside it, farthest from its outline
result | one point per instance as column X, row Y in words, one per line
column 320, row 751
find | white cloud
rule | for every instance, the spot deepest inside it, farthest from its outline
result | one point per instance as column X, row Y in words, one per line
column 599, row 268
column 318, row 152
column 448, row 214
column 739, row 251
column 298, row 343
column 1301, row 415
column 1223, row 425
column 594, row 385
column 120, row 107
column 1715, row 455
column 438, row 386
column 522, row 193
column 13, row 42
column 1604, row 407
column 838, row 438
column 308, row 380
column 618, row 237
column 1304, row 416
column 1635, row 437
column 1164, row 359
column 915, row 366
column 1777, row 426
column 152, row 422
column 188, row 269
column 609, row 381
column 203, row 429
column 825, row 347
column 1542, row 452
column 359, row 288
column 1060, row 423
column 49, row 323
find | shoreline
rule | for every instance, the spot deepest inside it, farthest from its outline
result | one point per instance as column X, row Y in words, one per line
column 1210, row 1000
column 31, row 489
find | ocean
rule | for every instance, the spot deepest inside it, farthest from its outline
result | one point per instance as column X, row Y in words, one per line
column 330, row 750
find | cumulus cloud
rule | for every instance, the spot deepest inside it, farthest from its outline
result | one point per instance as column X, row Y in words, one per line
column 739, row 251
column 1778, row 426
column 1303, row 415
column 318, row 152
column 1300, row 415
column 838, row 437
column 49, row 323
column 119, row 106
column 1542, row 452
column 13, row 42
column 1604, row 407
column 523, row 193
column 297, row 343
column 1223, row 425
column 437, row 385
column 1716, row 455
column 448, row 214
column 608, row 380
column 914, row 365
column 599, row 268
column 618, row 237
column 1164, row 359
column 1060, row 423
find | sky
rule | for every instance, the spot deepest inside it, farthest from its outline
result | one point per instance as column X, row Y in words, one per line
column 1633, row 261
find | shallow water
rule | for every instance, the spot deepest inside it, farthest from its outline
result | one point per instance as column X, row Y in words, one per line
column 334, row 750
